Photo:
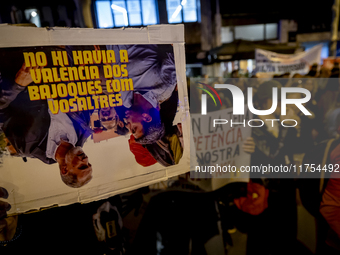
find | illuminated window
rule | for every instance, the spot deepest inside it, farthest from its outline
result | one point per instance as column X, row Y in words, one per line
column 182, row 11
column 123, row 13
column 256, row 32
column 32, row 15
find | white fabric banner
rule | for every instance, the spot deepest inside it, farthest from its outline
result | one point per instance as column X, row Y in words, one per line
column 272, row 62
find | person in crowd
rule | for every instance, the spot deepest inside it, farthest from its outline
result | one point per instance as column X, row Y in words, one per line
column 329, row 95
column 297, row 76
column 34, row 132
column 310, row 126
column 254, row 82
column 93, row 228
column 285, row 76
column 313, row 72
column 324, row 74
column 241, row 83
column 272, row 144
column 332, row 120
column 235, row 74
column 330, row 205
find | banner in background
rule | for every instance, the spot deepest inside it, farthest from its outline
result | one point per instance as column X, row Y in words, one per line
column 275, row 63
column 90, row 118
column 220, row 146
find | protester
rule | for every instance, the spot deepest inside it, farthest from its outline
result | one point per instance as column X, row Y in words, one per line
column 272, row 145
column 33, row 131
column 330, row 93
column 330, row 205
column 94, row 228
column 313, row 70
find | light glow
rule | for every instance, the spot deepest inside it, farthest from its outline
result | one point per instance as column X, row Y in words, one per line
column 123, row 11
column 174, row 15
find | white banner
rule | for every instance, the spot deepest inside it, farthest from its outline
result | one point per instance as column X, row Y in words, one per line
column 101, row 113
column 272, row 62
column 220, row 146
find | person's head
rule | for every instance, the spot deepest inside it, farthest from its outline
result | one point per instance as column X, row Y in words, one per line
column 253, row 82
column 313, row 70
column 109, row 119
column 325, row 72
column 76, row 170
column 285, row 75
column 309, row 84
column 145, row 126
column 234, row 74
column 297, row 76
column 264, row 95
column 335, row 71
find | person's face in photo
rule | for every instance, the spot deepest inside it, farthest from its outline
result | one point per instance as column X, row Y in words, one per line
column 134, row 122
column 78, row 164
column 108, row 117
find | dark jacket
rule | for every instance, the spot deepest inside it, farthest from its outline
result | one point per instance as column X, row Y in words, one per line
column 272, row 150
column 278, row 222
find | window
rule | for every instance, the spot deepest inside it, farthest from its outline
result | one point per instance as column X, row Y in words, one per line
column 256, row 32
column 271, row 31
column 122, row 13
column 182, row 11
column 32, row 15
column 226, row 35
column 249, row 32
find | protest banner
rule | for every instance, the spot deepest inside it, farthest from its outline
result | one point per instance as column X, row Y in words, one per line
column 86, row 114
column 220, row 147
column 275, row 63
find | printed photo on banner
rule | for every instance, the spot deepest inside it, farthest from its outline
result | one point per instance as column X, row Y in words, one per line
column 56, row 100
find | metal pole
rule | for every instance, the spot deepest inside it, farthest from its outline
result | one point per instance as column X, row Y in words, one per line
column 335, row 25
